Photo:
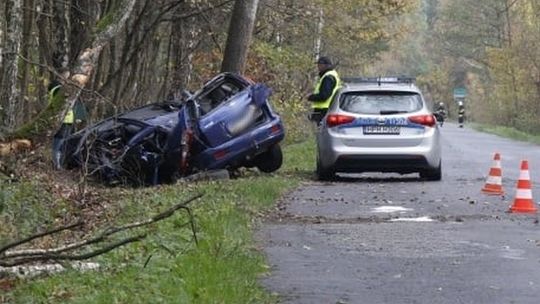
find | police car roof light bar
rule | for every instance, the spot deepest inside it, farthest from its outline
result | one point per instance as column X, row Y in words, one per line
column 380, row 80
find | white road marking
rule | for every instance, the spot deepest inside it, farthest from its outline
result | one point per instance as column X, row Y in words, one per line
column 390, row 209
column 512, row 254
column 413, row 219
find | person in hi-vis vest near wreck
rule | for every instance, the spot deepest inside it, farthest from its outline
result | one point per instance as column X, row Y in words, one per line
column 74, row 120
column 325, row 89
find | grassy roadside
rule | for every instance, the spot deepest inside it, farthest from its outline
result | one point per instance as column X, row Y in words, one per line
column 222, row 268
column 508, row 132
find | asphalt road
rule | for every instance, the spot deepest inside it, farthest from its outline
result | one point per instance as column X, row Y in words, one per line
column 387, row 238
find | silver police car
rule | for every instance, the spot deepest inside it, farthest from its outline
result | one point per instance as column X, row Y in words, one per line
column 379, row 125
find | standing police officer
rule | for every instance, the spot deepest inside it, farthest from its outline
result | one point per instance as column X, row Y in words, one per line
column 325, row 89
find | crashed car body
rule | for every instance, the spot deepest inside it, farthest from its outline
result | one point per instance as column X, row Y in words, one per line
column 227, row 124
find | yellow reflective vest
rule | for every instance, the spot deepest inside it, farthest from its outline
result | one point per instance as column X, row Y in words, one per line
column 70, row 117
column 326, row 103
column 53, row 93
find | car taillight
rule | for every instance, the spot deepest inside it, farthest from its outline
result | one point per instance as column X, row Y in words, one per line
column 220, row 154
column 425, row 120
column 185, row 146
column 275, row 129
column 333, row 120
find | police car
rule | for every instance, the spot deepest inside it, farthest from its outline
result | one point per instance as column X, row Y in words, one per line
column 379, row 125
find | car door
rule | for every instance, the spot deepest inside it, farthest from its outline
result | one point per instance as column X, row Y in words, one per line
column 230, row 119
column 180, row 140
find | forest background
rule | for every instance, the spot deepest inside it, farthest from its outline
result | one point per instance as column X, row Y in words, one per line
column 489, row 47
column 113, row 55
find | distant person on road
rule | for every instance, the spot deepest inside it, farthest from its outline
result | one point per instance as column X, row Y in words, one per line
column 461, row 113
column 440, row 113
column 325, row 89
column 441, row 107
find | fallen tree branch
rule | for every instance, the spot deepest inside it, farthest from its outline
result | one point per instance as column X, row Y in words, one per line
column 17, row 257
column 163, row 215
column 38, row 235
column 57, row 257
column 27, row 271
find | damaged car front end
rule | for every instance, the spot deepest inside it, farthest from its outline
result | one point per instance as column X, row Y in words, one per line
column 227, row 124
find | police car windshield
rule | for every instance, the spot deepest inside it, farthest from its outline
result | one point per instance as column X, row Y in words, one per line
column 381, row 102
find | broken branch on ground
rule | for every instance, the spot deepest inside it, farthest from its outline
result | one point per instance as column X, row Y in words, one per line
column 10, row 258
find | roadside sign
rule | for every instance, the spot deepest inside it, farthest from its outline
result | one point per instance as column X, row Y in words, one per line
column 460, row 93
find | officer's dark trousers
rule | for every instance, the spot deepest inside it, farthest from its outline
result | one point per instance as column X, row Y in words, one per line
column 317, row 115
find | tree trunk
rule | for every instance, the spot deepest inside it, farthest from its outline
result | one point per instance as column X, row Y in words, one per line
column 61, row 13
column 44, row 27
column 239, row 37
column 318, row 39
column 27, row 43
column 87, row 60
column 184, row 37
column 8, row 88
column 80, row 15
column 2, row 35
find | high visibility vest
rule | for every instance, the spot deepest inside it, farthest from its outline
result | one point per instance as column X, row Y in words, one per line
column 70, row 117
column 326, row 103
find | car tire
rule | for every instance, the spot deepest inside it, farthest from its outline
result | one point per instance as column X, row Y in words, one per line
column 432, row 175
column 324, row 174
column 271, row 160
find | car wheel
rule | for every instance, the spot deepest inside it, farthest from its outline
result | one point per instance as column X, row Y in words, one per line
column 432, row 175
column 324, row 174
column 271, row 160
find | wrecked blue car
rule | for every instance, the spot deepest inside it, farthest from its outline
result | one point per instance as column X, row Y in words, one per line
column 227, row 124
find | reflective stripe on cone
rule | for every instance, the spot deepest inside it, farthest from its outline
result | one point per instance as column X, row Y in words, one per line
column 523, row 202
column 493, row 184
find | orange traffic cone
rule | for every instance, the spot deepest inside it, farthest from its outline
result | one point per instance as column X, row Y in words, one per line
column 493, row 184
column 523, row 203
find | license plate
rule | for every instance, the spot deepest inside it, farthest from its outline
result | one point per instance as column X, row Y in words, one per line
column 373, row 130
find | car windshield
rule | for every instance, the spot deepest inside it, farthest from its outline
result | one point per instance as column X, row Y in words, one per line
column 381, row 102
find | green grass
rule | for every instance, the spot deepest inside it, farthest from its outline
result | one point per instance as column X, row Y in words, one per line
column 508, row 133
column 223, row 268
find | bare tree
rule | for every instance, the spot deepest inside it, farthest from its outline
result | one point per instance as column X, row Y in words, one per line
column 183, row 40
column 239, row 37
column 61, row 17
column 318, row 39
column 8, row 87
column 2, row 41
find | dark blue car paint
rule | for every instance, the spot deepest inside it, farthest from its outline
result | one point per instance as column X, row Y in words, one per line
column 213, row 145
column 252, row 143
column 232, row 149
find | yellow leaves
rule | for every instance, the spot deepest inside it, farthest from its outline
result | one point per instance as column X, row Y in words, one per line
column 497, row 54
column 373, row 35
column 528, row 10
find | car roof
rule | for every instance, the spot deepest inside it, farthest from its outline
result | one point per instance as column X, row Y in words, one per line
column 374, row 84
column 382, row 88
